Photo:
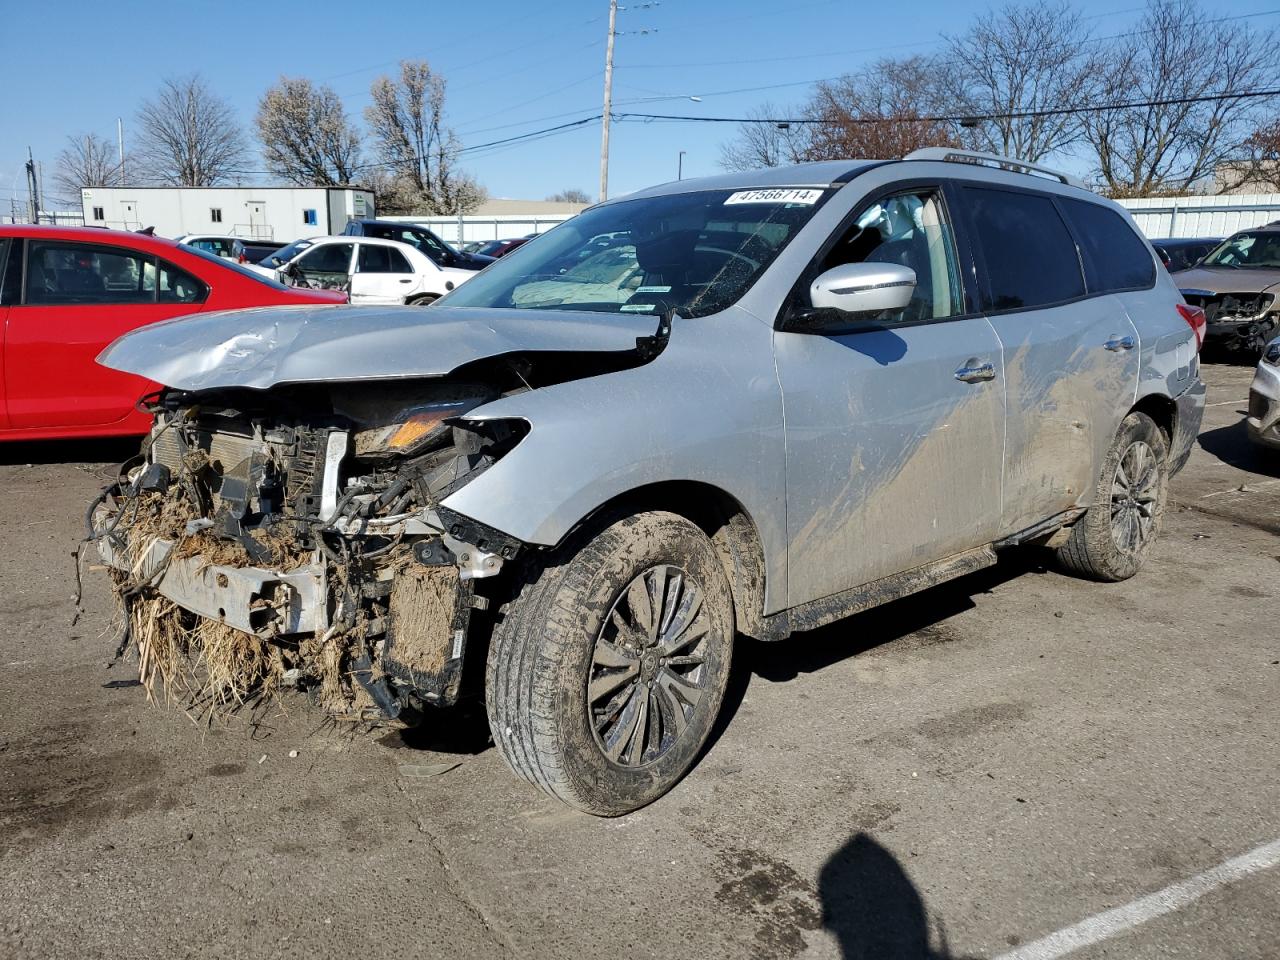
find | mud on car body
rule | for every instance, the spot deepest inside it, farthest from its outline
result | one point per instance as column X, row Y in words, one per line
column 822, row 387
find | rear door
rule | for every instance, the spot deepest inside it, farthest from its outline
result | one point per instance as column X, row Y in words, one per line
column 383, row 275
column 1071, row 363
column 77, row 298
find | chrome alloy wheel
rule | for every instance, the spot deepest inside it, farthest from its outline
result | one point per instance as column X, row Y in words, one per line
column 648, row 667
column 1135, row 494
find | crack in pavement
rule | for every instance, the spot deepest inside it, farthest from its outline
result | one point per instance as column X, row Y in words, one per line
column 453, row 884
column 1264, row 526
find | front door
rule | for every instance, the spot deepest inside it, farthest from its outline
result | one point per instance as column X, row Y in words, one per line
column 79, row 297
column 325, row 266
column 129, row 210
column 895, row 422
column 383, row 275
column 258, row 220
column 1071, row 359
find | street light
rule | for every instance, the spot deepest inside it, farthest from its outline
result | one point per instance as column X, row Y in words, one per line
column 680, row 165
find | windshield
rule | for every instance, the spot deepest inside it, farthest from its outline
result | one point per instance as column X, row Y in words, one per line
column 284, row 255
column 232, row 265
column 696, row 253
column 1247, row 250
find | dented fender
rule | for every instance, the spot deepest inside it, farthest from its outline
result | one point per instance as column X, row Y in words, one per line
column 697, row 412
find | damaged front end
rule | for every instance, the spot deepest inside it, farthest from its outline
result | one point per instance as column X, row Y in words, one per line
column 294, row 537
column 1237, row 321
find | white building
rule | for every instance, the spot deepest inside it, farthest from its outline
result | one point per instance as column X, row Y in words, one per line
column 1202, row 216
column 259, row 213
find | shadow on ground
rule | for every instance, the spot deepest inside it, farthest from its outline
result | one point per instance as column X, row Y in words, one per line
column 918, row 620
column 873, row 909
column 104, row 450
column 1232, row 446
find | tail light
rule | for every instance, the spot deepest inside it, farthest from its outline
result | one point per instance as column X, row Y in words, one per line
column 1195, row 320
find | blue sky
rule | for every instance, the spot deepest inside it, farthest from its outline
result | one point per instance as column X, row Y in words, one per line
column 512, row 67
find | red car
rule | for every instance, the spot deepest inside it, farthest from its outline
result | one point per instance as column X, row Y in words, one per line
column 67, row 292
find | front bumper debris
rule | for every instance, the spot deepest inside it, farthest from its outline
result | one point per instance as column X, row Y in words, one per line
column 248, row 557
column 265, row 603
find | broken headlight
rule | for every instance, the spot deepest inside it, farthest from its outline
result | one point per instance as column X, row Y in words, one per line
column 413, row 429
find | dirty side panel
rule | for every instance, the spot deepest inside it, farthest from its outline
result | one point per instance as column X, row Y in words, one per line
column 707, row 409
column 892, row 462
column 1067, row 393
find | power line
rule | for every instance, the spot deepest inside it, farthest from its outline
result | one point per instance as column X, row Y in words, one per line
column 970, row 117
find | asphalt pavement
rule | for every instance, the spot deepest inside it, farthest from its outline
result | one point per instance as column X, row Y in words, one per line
column 1015, row 764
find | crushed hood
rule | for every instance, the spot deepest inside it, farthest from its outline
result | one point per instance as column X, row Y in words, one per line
column 263, row 347
column 1226, row 279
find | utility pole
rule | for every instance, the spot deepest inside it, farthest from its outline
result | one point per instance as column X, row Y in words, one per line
column 33, row 190
column 608, row 101
column 120, row 138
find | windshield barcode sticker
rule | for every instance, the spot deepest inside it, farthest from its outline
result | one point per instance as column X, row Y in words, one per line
column 786, row 195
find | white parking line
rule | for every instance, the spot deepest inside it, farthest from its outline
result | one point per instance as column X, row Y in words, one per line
column 1171, row 898
column 1223, row 403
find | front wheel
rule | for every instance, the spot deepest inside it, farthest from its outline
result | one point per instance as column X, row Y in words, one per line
column 607, row 671
column 1112, row 540
column 425, row 300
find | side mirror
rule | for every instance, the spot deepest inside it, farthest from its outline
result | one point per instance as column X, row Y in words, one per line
column 863, row 288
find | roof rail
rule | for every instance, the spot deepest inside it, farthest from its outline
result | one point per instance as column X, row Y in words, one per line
column 994, row 160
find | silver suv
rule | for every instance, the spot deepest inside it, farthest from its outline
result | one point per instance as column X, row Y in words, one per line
column 746, row 405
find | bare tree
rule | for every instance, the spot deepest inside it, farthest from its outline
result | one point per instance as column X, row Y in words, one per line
column 1035, row 58
column 1191, row 71
column 572, row 195
column 407, row 121
column 88, row 160
column 762, row 142
column 883, row 111
column 189, row 135
column 306, row 136
column 1257, row 168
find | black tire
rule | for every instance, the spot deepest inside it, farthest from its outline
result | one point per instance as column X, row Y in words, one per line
column 425, row 300
column 572, row 628
column 1111, row 541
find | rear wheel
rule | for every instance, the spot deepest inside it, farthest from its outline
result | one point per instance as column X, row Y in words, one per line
column 425, row 300
column 607, row 671
column 1112, row 540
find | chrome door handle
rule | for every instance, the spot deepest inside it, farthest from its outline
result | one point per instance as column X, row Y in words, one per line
column 1119, row 343
column 976, row 371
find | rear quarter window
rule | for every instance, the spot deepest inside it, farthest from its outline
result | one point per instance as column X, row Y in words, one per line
column 1115, row 258
column 1030, row 257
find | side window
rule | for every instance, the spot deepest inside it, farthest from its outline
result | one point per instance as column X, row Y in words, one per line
column 309, row 218
column 374, row 259
column 178, row 286
column 910, row 229
column 329, row 258
column 1114, row 257
column 1031, row 259
column 10, row 272
column 70, row 273
column 398, row 262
